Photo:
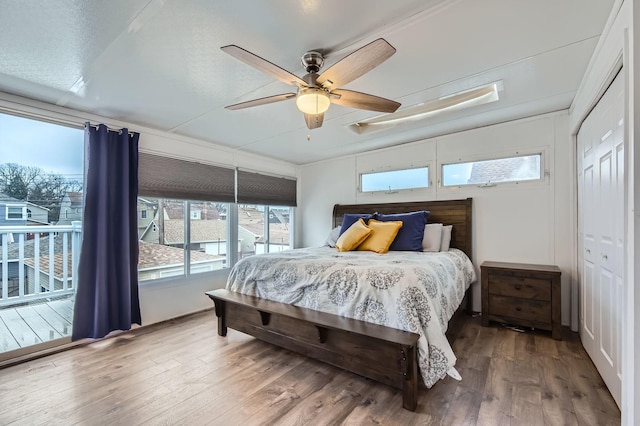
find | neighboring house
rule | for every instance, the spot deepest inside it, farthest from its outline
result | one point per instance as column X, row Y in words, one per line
column 147, row 212
column 71, row 208
column 47, row 281
column 251, row 230
column 207, row 236
column 14, row 212
column 161, row 261
column 155, row 261
column 29, row 251
column 505, row 169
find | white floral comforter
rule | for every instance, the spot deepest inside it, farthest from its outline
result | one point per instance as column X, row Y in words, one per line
column 412, row 291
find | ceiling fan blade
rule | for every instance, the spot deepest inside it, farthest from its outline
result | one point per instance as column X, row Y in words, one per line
column 352, row 99
column 314, row 120
column 263, row 65
column 356, row 64
column 262, row 101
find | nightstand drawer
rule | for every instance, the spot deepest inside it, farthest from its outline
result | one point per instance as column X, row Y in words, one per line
column 520, row 308
column 528, row 288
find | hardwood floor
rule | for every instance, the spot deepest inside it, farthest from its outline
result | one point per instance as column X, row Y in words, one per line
column 183, row 373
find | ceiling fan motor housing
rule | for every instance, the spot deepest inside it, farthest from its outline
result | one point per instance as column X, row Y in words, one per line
column 312, row 61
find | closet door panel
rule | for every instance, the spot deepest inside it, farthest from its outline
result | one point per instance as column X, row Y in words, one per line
column 601, row 233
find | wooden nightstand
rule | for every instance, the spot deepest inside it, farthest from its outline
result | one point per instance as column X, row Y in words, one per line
column 522, row 294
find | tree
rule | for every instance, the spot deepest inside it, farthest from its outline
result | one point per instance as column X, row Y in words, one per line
column 16, row 178
column 33, row 184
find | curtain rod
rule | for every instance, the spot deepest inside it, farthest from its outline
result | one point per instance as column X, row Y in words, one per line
column 95, row 126
column 39, row 114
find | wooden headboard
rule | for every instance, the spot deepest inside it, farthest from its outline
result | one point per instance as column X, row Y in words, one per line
column 448, row 212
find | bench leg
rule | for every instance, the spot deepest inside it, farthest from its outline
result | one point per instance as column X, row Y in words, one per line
column 410, row 384
column 221, row 314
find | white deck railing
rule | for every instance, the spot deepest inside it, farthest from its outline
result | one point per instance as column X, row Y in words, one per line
column 31, row 271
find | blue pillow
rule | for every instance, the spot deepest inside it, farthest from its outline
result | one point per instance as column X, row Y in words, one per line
column 410, row 236
column 350, row 218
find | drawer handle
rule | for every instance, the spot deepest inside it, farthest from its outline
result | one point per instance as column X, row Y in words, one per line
column 518, row 308
column 517, row 287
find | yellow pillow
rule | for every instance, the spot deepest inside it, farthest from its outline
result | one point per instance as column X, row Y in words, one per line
column 382, row 235
column 353, row 236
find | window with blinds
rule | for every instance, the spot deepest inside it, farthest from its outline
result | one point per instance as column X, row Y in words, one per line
column 184, row 229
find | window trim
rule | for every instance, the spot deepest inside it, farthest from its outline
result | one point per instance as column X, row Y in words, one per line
column 544, row 173
column 22, row 208
column 399, row 190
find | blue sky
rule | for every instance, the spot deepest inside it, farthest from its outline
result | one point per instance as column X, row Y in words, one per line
column 457, row 174
column 454, row 174
column 51, row 147
column 395, row 179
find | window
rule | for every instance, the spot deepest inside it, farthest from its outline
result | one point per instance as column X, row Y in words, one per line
column 488, row 172
column 395, row 180
column 257, row 235
column 143, row 214
column 169, row 242
column 195, row 221
column 14, row 213
column 41, row 168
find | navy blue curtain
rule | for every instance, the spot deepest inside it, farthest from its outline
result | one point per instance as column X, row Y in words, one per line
column 107, row 294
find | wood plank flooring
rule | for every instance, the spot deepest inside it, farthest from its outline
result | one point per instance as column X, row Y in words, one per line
column 26, row 325
column 183, row 373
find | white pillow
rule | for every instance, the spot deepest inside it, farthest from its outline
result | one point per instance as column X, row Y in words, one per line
column 432, row 237
column 446, row 238
column 333, row 237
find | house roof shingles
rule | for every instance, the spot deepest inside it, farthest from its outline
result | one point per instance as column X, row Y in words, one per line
column 76, row 198
column 151, row 255
column 29, row 247
column 201, row 231
column 154, row 255
column 504, row 169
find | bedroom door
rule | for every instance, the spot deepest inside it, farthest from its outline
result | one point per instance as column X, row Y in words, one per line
column 601, row 233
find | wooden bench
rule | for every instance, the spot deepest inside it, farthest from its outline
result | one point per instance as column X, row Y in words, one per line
column 384, row 354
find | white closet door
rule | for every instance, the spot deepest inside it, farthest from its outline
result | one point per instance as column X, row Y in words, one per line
column 601, row 233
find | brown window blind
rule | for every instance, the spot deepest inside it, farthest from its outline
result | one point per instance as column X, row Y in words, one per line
column 165, row 177
column 256, row 188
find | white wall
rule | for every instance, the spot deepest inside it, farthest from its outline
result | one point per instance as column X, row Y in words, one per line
column 529, row 222
column 163, row 300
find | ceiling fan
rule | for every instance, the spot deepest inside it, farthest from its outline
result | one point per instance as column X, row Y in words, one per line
column 317, row 91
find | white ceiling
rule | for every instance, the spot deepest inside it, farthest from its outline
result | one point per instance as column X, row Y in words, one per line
column 157, row 63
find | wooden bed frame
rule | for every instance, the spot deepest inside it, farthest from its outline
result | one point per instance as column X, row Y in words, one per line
column 381, row 353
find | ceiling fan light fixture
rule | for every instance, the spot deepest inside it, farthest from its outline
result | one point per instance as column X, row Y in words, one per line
column 312, row 100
